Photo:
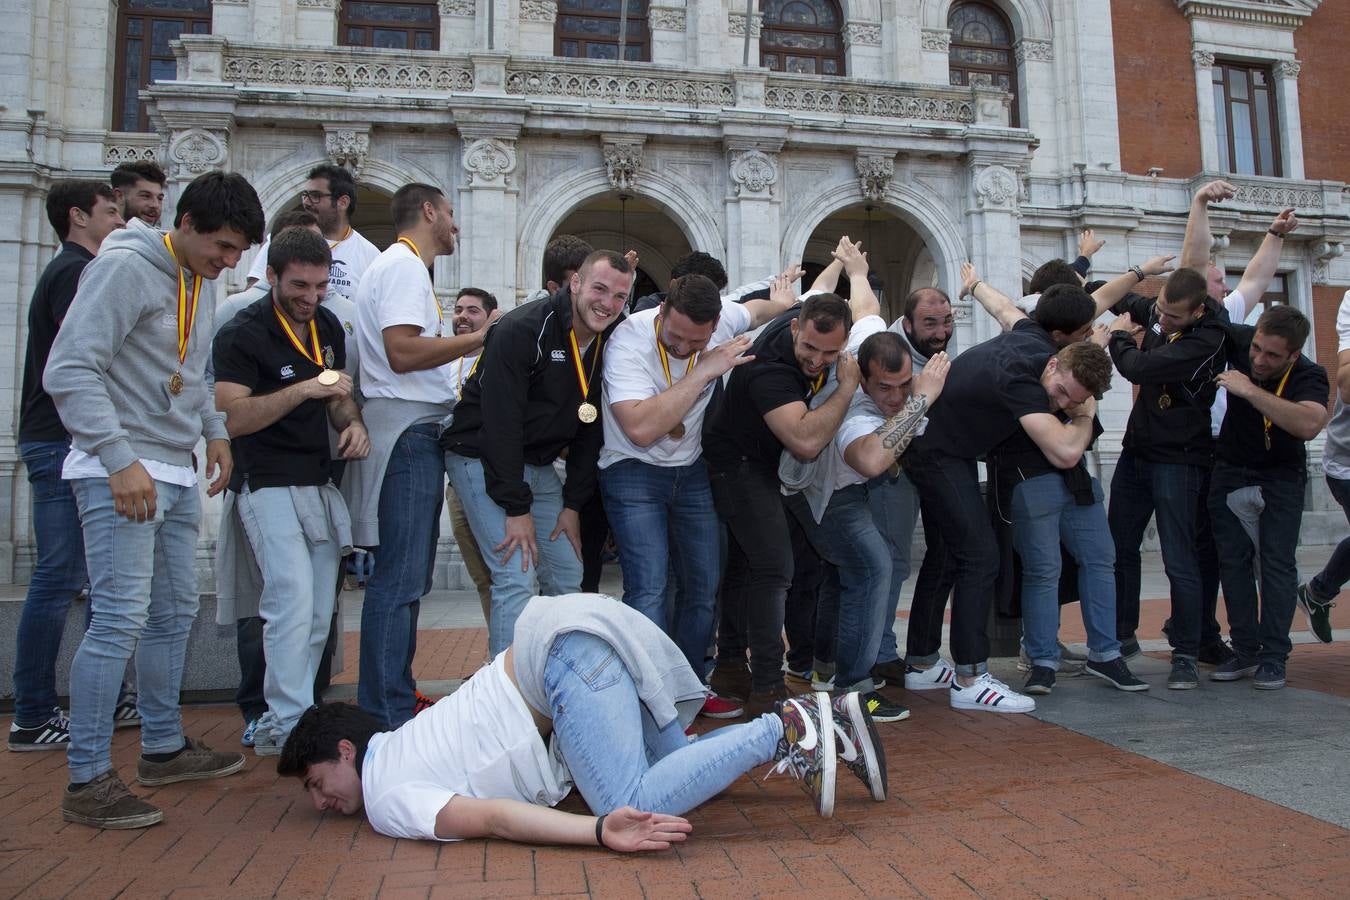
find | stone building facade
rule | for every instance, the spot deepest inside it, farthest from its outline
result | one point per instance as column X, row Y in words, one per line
column 913, row 145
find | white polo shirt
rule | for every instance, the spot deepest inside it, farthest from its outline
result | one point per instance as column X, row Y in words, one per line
column 633, row 371
column 396, row 290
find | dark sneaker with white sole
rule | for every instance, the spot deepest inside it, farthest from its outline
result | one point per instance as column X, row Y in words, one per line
column 1184, row 676
column 196, row 762
column 1235, row 669
column 106, row 802
column 1041, row 681
column 1130, row 649
column 1317, row 612
column 859, row 746
column 1116, row 673
column 1269, row 677
column 881, row 709
column 53, row 734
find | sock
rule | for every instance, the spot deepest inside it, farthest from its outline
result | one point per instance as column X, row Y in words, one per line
column 76, row 785
column 163, row 757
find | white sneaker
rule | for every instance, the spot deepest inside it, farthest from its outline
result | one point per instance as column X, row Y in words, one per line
column 938, row 675
column 990, row 695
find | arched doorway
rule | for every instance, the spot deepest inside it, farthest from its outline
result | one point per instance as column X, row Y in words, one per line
column 900, row 260
column 626, row 222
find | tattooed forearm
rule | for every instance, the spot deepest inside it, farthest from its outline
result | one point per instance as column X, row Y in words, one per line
column 897, row 431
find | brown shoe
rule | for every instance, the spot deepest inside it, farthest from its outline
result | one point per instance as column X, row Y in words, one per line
column 730, row 679
column 196, row 762
column 761, row 702
column 106, row 802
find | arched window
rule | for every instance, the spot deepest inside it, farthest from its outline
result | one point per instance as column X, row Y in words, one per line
column 144, row 30
column 589, row 29
column 982, row 50
column 390, row 24
column 801, row 36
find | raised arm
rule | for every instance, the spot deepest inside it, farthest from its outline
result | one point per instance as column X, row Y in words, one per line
column 861, row 299
column 781, row 297
column 1261, row 268
column 1111, row 293
column 1199, row 239
column 626, row 830
column 805, row 431
column 874, row 453
column 994, row 302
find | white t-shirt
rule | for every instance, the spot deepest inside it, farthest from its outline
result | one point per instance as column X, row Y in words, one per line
column 633, row 372
column 396, row 290
column 480, row 742
column 1330, row 465
column 1236, row 304
column 351, row 257
column 79, row 464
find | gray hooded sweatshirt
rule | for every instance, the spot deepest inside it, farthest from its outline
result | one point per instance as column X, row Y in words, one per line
column 111, row 363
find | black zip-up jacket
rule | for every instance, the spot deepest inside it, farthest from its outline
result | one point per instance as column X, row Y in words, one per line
column 520, row 405
column 1184, row 371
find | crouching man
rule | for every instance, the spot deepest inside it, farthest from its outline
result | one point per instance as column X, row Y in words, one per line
column 611, row 695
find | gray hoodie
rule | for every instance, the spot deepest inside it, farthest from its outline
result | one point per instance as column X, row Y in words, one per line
column 110, row 366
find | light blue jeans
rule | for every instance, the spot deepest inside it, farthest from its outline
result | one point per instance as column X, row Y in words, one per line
column 616, row 753
column 558, row 568
column 296, row 604
column 143, row 592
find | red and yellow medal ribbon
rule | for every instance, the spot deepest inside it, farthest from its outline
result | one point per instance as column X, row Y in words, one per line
column 582, row 378
column 187, row 310
column 1278, row 391
column 332, row 245
column 317, row 358
column 440, row 317
column 818, row 383
column 665, row 360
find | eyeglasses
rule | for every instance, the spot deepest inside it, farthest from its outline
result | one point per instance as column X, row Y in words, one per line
column 314, row 196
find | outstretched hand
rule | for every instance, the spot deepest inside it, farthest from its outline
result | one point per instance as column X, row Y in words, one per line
column 933, row 377
column 1089, row 243
column 1284, row 223
column 1216, row 192
column 969, row 277
column 628, row 830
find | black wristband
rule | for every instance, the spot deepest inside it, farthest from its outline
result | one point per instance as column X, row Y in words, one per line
column 1274, row 232
column 1138, row 272
column 599, row 831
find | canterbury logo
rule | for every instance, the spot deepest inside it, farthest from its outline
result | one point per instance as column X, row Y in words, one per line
column 558, row 356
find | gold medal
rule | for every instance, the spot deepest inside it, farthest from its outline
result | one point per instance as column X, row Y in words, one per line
column 187, row 317
column 176, row 388
column 1165, row 402
column 327, row 378
column 587, row 413
column 677, row 432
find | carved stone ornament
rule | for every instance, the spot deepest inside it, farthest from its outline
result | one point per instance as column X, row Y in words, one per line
column 875, row 171
column 489, row 161
column 465, row 9
column 1288, row 68
column 1203, row 59
column 347, row 147
column 862, row 33
column 318, row 4
column 1323, row 252
column 539, row 11
column 116, row 154
column 936, row 40
column 660, row 18
column 196, row 151
column 753, row 172
column 1034, row 50
column 996, row 187
column 736, row 23
column 622, row 161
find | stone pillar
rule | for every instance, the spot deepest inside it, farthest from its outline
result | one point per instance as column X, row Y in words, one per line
column 458, row 25
column 995, row 239
column 935, row 45
column 754, row 204
column 1036, row 88
column 862, row 50
column 487, row 212
column 668, row 23
column 1206, row 115
column 534, row 28
column 1290, row 124
column 316, row 21
column 232, row 19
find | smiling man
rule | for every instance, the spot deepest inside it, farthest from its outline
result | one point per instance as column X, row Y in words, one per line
column 139, row 190
column 534, row 392
column 127, row 373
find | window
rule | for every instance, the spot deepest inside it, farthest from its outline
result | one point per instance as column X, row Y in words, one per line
column 981, row 51
column 390, row 24
column 144, row 30
column 1277, row 293
column 1244, row 105
column 589, row 29
column 801, row 36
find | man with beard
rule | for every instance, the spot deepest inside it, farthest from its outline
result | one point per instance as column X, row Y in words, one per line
column 139, row 190
column 279, row 381
column 534, row 392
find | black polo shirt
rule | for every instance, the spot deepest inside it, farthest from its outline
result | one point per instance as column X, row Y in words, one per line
column 52, row 297
column 253, row 350
column 1242, row 439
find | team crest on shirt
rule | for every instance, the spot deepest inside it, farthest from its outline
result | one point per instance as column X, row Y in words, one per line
column 347, row 327
column 559, row 356
column 287, row 372
column 328, row 357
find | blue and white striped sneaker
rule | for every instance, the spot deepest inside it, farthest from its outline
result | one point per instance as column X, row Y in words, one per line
column 53, row 734
column 988, row 694
column 125, row 714
column 249, row 730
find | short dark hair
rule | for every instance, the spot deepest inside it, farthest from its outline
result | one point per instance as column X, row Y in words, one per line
column 617, row 261
column 297, row 245
column 703, row 264
column 563, row 255
column 886, row 348
column 695, row 296
column 293, row 218
column 1056, row 271
column 73, row 193
column 1065, row 308
column 1089, row 364
column 1188, row 286
column 1284, row 321
column 825, row 311
column 489, row 301
column 918, row 295
column 314, row 739
column 219, row 200
column 128, row 173
column 340, row 184
column 407, row 203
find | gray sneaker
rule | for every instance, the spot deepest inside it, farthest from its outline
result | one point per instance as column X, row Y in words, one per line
column 1235, row 669
column 265, row 743
column 195, row 763
column 1184, row 676
column 106, row 802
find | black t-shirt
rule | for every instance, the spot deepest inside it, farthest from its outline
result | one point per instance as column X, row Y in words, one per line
column 989, row 388
column 253, row 350
column 737, row 428
column 52, row 297
column 1242, row 439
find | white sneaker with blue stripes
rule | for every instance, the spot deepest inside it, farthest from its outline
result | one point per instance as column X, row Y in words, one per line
column 988, row 694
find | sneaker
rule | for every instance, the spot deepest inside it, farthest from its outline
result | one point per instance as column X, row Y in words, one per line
column 249, row 730
column 106, row 802
column 53, row 734
column 989, row 695
column 821, row 683
column 1183, row 676
column 125, row 714
column 760, row 702
column 1117, row 674
column 1067, row 665
column 1269, row 677
column 715, row 707
column 421, row 702
column 1235, row 669
column 881, row 709
column 265, row 743
column 1041, row 681
column 938, row 675
column 1317, row 612
column 807, row 748
column 859, row 747
column 196, row 762
column 730, row 679
column 1130, row 649
column 890, row 672
column 797, row 678
column 1069, row 655
column 1215, row 654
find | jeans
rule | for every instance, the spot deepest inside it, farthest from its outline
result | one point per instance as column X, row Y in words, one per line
column 1327, row 583
column 558, row 568
column 616, row 753
column 594, row 536
column 810, row 608
column 895, row 510
column 1262, row 635
column 1207, row 554
column 1171, row 493
column 759, row 570
column 410, row 511
column 296, row 603
column 58, row 575
column 469, row 553
column 143, row 591
column 847, row 537
column 954, row 514
column 1044, row 514
column 664, row 521
column 248, row 636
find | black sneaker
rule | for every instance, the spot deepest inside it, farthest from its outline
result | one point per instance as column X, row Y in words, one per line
column 1235, row 669
column 1129, row 649
column 1183, row 676
column 1040, row 681
column 1215, row 654
column 1317, row 612
column 1117, row 673
column 1269, row 677
column 881, row 709
column 105, row 802
column 53, row 734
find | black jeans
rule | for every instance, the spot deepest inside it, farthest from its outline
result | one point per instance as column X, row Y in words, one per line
column 1327, row 583
column 937, row 577
column 805, row 644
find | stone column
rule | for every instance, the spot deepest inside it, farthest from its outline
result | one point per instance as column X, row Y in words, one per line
column 316, row 21
column 534, row 27
column 935, row 45
column 1206, row 115
column 995, row 239
column 1290, row 124
column 457, row 25
column 668, row 24
column 862, row 50
column 754, row 205
column 487, row 212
